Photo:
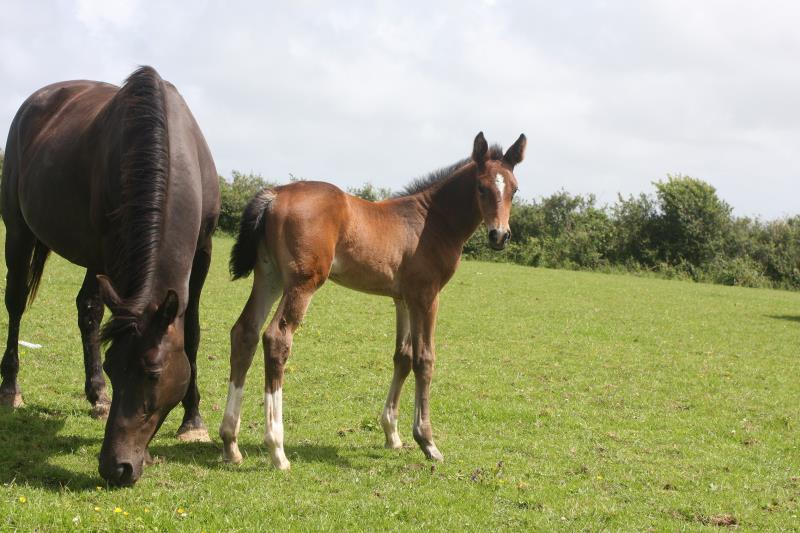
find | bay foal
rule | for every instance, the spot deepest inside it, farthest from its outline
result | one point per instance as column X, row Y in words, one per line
column 296, row 236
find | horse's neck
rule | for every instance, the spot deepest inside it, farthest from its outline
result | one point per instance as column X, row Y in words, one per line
column 453, row 205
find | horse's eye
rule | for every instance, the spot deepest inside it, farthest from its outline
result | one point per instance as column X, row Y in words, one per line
column 482, row 190
column 153, row 375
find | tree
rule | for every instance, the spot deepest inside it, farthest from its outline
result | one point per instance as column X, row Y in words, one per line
column 692, row 220
column 369, row 192
column 235, row 194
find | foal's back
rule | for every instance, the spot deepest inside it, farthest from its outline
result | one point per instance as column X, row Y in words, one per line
column 315, row 230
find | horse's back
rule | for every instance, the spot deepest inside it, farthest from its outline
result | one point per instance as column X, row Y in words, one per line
column 49, row 177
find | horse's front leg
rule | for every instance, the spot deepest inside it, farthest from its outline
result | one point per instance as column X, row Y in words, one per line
column 192, row 428
column 423, row 323
column 90, row 314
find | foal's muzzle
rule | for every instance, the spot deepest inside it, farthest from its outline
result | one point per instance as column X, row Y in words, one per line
column 119, row 474
column 498, row 239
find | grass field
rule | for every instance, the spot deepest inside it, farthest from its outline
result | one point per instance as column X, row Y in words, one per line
column 561, row 401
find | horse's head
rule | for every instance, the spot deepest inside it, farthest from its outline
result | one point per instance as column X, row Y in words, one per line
column 495, row 187
column 149, row 373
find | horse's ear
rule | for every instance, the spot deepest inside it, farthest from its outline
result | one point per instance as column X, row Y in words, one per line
column 108, row 294
column 167, row 311
column 480, row 149
column 516, row 153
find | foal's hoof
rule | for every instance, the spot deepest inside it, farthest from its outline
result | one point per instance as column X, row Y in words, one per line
column 100, row 410
column 233, row 455
column 393, row 443
column 11, row 399
column 433, row 453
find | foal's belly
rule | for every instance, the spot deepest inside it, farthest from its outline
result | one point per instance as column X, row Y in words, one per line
column 374, row 277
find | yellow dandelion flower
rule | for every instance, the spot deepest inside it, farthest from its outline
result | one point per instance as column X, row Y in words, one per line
column 96, row 509
column 23, row 499
column 146, row 510
column 99, row 488
column 125, row 513
column 117, row 509
column 180, row 510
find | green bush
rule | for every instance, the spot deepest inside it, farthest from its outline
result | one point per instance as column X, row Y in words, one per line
column 234, row 195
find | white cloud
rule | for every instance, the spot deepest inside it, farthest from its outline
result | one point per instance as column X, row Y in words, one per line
column 612, row 95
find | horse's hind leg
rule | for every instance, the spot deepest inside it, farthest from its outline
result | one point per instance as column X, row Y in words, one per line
column 90, row 314
column 277, row 341
column 19, row 248
column 267, row 287
column 192, row 428
column 402, row 367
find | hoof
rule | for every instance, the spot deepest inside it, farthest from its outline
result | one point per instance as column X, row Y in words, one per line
column 193, row 435
column 393, row 444
column 433, row 454
column 283, row 465
column 100, row 410
column 232, row 456
column 11, row 399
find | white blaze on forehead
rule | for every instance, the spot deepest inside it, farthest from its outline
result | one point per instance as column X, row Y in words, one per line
column 500, row 181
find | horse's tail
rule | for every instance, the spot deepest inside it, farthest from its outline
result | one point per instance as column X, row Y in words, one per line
column 251, row 228
column 38, row 259
column 144, row 169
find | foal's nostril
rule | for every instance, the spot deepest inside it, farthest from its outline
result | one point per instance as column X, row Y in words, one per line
column 493, row 235
column 506, row 237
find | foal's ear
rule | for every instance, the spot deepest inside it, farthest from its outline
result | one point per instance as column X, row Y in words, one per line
column 167, row 311
column 480, row 149
column 516, row 153
column 108, row 294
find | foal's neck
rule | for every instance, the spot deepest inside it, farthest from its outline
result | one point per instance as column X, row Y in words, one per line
column 454, row 205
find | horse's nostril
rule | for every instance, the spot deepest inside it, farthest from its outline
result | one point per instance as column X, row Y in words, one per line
column 506, row 237
column 123, row 474
column 493, row 235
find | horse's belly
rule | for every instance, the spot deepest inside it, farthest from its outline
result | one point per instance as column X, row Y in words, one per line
column 58, row 215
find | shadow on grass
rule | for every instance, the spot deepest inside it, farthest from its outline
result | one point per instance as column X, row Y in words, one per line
column 209, row 454
column 791, row 318
column 29, row 439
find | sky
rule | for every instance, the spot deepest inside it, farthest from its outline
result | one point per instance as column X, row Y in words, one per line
column 612, row 95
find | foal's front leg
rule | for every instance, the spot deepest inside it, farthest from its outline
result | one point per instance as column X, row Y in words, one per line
column 277, row 341
column 423, row 323
column 402, row 367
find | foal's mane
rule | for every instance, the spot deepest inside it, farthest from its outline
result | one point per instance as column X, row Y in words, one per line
column 441, row 175
column 144, row 174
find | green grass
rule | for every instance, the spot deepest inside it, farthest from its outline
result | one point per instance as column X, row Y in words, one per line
column 561, row 401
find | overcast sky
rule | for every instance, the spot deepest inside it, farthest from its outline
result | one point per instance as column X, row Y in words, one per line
column 612, row 95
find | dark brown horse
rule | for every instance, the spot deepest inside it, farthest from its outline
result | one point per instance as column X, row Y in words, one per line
column 296, row 236
column 118, row 180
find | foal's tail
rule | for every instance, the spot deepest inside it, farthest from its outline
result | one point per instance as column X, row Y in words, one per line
column 251, row 229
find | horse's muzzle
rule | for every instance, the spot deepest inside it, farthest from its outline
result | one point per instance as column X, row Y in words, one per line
column 121, row 474
column 498, row 239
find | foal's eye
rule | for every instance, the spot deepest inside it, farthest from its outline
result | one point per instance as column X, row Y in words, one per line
column 482, row 190
column 153, row 375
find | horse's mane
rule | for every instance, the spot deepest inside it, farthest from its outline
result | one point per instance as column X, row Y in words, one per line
column 144, row 174
column 438, row 176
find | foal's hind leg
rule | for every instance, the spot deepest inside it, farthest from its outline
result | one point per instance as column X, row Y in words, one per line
column 90, row 314
column 192, row 428
column 267, row 287
column 19, row 247
column 277, row 346
column 402, row 367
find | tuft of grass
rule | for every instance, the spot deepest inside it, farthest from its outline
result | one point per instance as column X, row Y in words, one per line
column 561, row 400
